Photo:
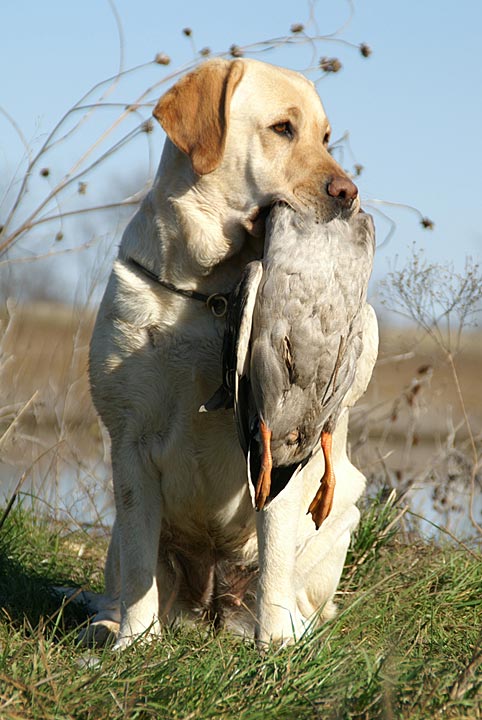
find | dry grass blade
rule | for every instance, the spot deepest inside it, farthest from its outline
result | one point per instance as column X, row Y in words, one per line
column 10, row 428
column 467, row 679
column 18, row 487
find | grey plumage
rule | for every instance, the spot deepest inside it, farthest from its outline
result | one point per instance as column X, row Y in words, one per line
column 293, row 337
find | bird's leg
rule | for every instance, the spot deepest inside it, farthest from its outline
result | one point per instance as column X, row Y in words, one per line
column 322, row 503
column 263, row 486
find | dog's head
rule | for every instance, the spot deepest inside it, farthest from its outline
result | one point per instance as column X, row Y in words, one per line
column 258, row 134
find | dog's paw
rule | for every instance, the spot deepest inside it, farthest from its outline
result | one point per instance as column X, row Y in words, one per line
column 279, row 627
column 132, row 630
column 99, row 634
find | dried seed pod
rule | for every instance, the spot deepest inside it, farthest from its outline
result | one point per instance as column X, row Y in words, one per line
column 427, row 223
column 82, row 188
column 205, row 51
column 45, row 172
column 365, row 50
column 424, row 369
column 187, row 31
column 162, row 59
column 236, row 51
column 332, row 65
column 147, row 126
column 297, row 28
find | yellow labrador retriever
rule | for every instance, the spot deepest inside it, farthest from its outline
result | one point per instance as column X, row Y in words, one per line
column 186, row 541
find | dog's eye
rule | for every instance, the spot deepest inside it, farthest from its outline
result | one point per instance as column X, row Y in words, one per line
column 283, row 128
column 326, row 139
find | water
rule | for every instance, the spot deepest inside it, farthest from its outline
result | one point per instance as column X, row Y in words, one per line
column 80, row 493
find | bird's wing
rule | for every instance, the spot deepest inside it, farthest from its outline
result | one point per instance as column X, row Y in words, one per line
column 236, row 348
column 240, row 318
column 237, row 332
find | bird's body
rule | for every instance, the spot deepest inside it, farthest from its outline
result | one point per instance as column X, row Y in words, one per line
column 293, row 337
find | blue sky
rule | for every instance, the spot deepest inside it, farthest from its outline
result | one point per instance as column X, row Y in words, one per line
column 413, row 109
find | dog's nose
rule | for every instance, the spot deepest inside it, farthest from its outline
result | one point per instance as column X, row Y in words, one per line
column 343, row 189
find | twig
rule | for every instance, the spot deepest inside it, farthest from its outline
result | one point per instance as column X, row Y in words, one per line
column 396, row 358
column 54, row 253
column 403, row 206
column 17, row 129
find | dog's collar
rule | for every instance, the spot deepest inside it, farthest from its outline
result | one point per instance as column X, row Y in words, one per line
column 217, row 302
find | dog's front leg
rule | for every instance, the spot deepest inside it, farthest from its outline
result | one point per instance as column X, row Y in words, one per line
column 138, row 523
column 278, row 619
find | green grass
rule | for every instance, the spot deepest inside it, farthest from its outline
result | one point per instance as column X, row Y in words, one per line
column 406, row 643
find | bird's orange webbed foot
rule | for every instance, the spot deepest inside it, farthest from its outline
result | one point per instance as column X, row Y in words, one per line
column 263, row 486
column 322, row 503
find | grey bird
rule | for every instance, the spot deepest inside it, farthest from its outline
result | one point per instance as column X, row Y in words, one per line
column 292, row 340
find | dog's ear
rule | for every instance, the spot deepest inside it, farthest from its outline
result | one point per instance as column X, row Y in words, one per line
column 195, row 112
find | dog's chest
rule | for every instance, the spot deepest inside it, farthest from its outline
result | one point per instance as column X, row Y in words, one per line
column 204, row 446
